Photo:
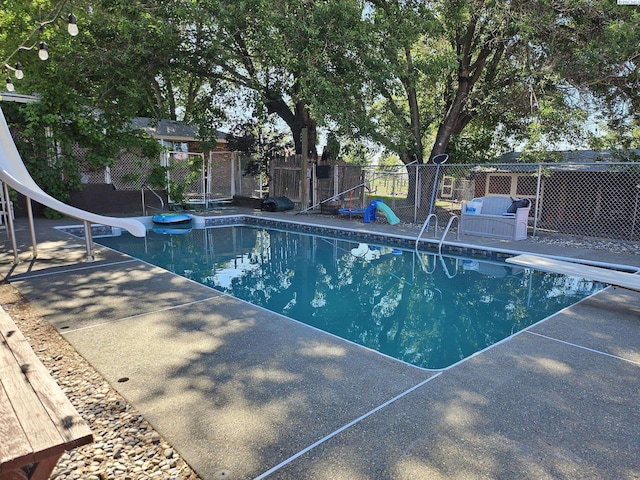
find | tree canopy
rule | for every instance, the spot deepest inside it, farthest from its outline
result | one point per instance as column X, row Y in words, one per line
column 476, row 78
column 473, row 78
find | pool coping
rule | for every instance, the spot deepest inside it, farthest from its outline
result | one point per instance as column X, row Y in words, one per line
column 426, row 245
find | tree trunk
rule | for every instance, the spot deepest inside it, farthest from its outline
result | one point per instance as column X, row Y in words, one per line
column 454, row 118
column 296, row 122
column 414, row 110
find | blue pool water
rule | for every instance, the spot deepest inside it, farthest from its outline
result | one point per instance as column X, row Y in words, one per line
column 425, row 310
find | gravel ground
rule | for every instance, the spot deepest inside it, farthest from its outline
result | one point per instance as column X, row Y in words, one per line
column 588, row 243
column 125, row 447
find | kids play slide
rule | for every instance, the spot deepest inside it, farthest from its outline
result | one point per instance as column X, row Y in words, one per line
column 14, row 173
column 391, row 217
column 369, row 213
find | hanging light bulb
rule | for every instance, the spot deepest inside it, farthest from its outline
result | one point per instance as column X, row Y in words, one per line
column 10, row 87
column 72, row 26
column 18, row 71
column 43, row 53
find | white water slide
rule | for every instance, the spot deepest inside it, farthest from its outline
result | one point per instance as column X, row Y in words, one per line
column 14, row 174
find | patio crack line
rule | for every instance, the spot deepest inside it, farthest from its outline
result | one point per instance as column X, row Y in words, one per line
column 343, row 428
column 131, row 317
column 68, row 270
column 586, row 348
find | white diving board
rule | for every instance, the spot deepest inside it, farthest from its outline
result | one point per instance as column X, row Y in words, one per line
column 605, row 275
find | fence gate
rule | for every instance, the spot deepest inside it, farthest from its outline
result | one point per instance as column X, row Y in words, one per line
column 247, row 181
column 186, row 170
column 222, row 171
column 287, row 177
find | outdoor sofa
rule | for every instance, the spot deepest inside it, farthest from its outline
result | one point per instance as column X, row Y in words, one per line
column 496, row 216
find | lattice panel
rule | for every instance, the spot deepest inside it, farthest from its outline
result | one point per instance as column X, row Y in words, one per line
column 88, row 173
column 130, row 171
column 499, row 184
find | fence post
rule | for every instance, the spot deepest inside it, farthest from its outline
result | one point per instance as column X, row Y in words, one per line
column 535, row 210
column 233, row 173
column 239, row 174
column 305, row 179
column 393, row 190
column 203, row 180
column 208, row 176
column 635, row 213
column 314, row 185
column 415, row 199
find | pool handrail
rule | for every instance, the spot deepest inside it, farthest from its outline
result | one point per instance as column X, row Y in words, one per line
column 446, row 230
column 425, row 226
column 144, row 204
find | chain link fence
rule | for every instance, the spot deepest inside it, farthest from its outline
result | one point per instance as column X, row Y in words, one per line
column 599, row 200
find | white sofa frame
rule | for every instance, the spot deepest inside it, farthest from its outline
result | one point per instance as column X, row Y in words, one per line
column 493, row 219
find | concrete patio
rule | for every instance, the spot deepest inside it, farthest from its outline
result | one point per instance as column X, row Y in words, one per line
column 244, row 393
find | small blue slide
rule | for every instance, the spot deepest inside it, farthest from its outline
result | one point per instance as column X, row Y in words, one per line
column 370, row 212
column 391, row 217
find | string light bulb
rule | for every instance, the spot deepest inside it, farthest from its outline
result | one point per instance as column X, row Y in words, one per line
column 19, row 74
column 10, row 87
column 43, row 53
column 72, row 26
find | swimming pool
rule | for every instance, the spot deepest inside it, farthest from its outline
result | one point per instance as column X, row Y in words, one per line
column 427, row 310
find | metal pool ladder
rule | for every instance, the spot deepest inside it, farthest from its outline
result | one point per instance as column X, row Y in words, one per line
column 425, row 226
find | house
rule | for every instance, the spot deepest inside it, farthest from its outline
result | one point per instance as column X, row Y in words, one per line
column 174, row 135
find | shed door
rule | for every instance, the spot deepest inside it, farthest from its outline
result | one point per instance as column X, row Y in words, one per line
column 446, row 187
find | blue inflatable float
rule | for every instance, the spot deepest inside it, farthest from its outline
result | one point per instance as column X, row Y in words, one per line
column 172, row 219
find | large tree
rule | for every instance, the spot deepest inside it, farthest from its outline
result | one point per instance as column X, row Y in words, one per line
column 467, row 77
column 88, row 89
column 419, row 77
column 274, row 50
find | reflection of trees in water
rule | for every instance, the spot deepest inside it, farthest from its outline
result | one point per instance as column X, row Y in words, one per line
column 389, row 303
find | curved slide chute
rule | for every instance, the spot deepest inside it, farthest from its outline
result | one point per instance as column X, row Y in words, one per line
column 384, row 208
column 15, row 174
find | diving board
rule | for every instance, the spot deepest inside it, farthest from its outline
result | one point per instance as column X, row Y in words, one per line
column 14, row 173
column 605, row 275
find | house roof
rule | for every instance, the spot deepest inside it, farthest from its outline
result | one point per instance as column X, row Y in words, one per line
column 580, row 156
column 17, row 97
column 171, row 130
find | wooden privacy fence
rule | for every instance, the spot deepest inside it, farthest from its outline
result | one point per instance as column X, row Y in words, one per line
column 287, row 178
column 311, row 185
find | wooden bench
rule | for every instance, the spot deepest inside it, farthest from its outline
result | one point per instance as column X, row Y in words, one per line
column 491, row 216
column 37, row 421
